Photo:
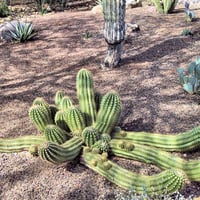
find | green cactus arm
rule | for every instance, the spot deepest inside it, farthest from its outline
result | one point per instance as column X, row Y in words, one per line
column 75, row 120
column 58, row 97
column 182, row 142
column 20, row 143
column 159, row 6
column 162, row 159
column 55, row 134
column 109, row 113
column 42, row 102
column 57, row 154
column 40, row 117
column 60, row 120
column 86, row 96
column 167, row 181
column 65, row 103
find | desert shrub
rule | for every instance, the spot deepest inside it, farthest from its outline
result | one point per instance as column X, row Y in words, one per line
column 4, row 10
column 21, row 31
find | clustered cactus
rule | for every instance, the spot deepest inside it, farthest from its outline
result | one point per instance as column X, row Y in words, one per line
column 89, row 131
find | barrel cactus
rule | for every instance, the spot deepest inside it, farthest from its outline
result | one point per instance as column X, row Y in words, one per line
column 89, row 131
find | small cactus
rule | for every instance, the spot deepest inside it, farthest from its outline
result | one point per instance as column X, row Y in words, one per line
column 65, row 103
column 55, row 134
column 40, row 116
column 191, row 79
column 109, row 113
column 75, row 121
column 86, row 96
column 58, row 97
column 90, row 136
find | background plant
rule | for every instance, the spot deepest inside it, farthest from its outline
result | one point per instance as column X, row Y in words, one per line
column 21, row 31
column 190, row 80
column 165, row 6
column 4, row 10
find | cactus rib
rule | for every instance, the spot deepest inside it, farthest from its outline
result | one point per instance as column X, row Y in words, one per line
column 182, row 142
column 86, row 96
column 20, row 143
column 55, row 134
column 109, row 113
column 167, row 181
column 57, row 154
column 162, row 159
column 75, row 121
column 40, row 117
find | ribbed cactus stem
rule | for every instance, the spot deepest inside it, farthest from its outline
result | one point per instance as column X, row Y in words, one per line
column 86, row 96
column 18, row 144
column 167, row 181
column 55, row 134
column 114, row 24
column 90, row 135
column 109, row 113
column 162, row 159
column 75, row 121
column 65, row 103
column 58, row 97
column 114, row 30
column 40, row 117
column 182, row 142
column 42, row 102
column 60, row 120
column 57, row 154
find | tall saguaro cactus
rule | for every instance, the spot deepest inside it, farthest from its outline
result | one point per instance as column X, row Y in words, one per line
column 114, row 30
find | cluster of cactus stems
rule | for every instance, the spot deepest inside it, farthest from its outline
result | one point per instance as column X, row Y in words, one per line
column 89, row 131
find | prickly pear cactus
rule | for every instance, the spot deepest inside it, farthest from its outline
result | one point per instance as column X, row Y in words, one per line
column 88, row 131
column 190, row 80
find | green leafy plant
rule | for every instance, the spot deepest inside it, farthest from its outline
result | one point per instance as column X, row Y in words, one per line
column 186, row 32
column 4, row 10
column 89, row 132
column 165, row 6
column 22, row 31
column 191, row 79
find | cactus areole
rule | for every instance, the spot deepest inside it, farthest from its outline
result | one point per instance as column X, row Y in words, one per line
column 114, row 30
column 88, row 131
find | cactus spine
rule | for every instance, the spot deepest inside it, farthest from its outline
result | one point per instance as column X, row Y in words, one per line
column 40, row 117
column 109, row 113
column 90, row 136
column 86, row 97
column 167, row 181
column 114, row 30
column 182, row 142
column 18, row 144
column 75, row 121
column 57, row 154
column 55, row 134
column 160, row 158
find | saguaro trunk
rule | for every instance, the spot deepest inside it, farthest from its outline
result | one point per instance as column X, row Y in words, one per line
column 114, row 30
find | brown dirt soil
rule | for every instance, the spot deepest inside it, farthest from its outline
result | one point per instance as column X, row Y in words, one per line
column 147, row 81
